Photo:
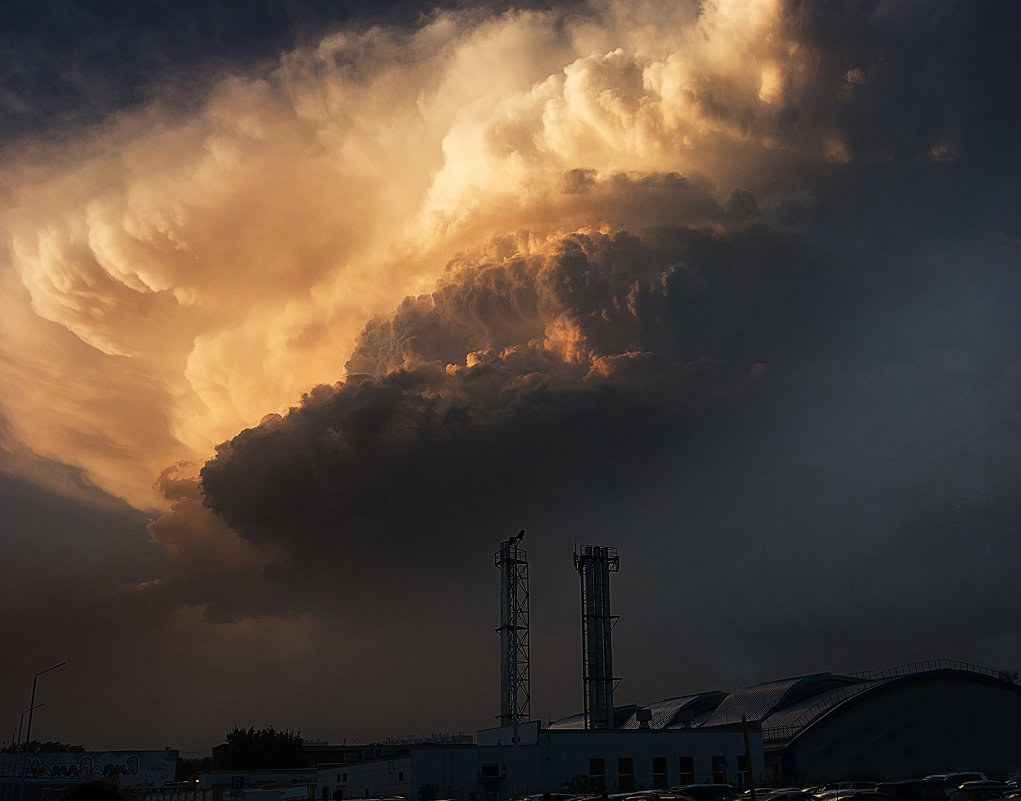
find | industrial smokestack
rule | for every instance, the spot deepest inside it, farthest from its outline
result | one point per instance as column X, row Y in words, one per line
column 594, row 563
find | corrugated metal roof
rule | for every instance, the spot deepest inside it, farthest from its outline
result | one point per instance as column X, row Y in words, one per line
column 663, row 712
column 762, row 700
column 570, row 722
column 754, row 703
column 784, row 723
column 667, row 713
column 783, row 707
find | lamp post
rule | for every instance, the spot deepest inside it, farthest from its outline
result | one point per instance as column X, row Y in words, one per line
column 28, row 733
column 9, row 789
column 9, row 786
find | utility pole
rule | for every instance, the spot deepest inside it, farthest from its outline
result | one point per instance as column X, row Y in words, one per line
column 9, row 788
column 28, row 733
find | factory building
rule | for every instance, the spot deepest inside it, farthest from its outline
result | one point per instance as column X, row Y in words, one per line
column 606, row 748
column 932, row 717
column 927, row 718
column 548, row 760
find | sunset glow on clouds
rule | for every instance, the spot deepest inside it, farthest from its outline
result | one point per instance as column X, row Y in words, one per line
column 213, row 265
column 726, row 275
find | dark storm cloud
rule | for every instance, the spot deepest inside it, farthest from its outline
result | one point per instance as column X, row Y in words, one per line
column 786, row 388
column 61, row 559
column 741, row 407
column 524, row 382
column 64, row 64
column 68, row 63
column 913, row 80
column 526, row 385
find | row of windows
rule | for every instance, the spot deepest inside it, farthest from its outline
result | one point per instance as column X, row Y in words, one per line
column 342, row 777
column 339, row 793
column 660, row 777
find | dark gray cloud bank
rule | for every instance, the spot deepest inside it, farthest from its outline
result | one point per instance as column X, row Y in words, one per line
column 65, row 64
column 800, row 437
column 796, row 417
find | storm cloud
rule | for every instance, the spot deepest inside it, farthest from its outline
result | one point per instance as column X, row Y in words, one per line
column 731, row 286
column 526, row 381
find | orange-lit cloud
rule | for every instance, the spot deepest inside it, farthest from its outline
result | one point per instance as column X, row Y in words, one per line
column 175, row 276
column 732, row 283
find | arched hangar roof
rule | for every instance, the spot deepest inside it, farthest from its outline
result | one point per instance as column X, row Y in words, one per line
column 682, row 712
column 783, row 708
column 759, row 702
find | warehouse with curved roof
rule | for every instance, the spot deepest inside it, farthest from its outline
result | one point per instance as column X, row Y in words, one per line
column 923, row 718
column 921, row 721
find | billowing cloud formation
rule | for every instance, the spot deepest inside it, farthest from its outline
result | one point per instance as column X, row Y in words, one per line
column 194, row 271
column 731, row 285
column 569, row 359
column 734, row 404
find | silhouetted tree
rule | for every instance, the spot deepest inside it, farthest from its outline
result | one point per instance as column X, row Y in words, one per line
column 186, row 768
column 94, row 790
column 252, row 749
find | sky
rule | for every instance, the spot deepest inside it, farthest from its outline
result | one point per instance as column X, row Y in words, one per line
column 306, row 306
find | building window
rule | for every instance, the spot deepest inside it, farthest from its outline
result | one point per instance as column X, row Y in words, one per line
column 400, row 775
column 326, row 793
column 659, row 777
column 719, row 770
column 742, row 771
column 597, row 774
column 625, row 774
column 687, row 766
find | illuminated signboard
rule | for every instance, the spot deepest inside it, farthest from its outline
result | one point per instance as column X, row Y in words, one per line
column 126, row 768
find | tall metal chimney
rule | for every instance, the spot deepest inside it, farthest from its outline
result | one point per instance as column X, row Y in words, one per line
column 514, row 695
column 595, row 563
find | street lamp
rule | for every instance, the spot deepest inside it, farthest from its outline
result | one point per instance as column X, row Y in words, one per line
column 9, row 787
column 28, row 733
column 21, row 723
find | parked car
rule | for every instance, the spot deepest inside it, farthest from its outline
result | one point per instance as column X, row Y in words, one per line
column 550, row 797
column 955, row 780
column 787, row 795
column 706, row 792
column 914, row 790
column 980, row 791
column 646, row 795
column 826, row 790
column 860, row 795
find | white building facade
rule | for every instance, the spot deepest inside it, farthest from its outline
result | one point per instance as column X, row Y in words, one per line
column 544, row 760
